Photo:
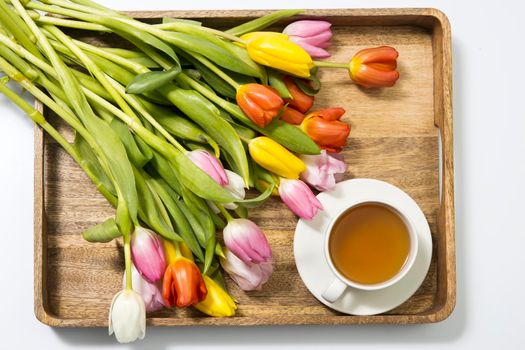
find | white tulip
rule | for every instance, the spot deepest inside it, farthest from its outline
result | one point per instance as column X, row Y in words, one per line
column 236, row 188
column 127, row 316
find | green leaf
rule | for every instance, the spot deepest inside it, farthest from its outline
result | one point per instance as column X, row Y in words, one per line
column 207, row 116
column 200, row 183
column 310, row 89
column 169, row 197
column 241, row 211
column 151, row 81
column 130, row 33
column 257, row 201
column 181, row 127
column 152, row 210
column 276, row 81
column 180, row 20
column 193, row 38
column 103, row 232
column 90, row 160
column 166, row 170
column 133, row 150
column 262, row 22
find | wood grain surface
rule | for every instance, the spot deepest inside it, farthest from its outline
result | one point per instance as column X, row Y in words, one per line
column 394, row 138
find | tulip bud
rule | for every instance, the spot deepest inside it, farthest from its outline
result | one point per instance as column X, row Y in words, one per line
column 209, row 164
column 147, row 254
column 325, row 128
column 235, row 186
column 127, row 316
column 217, row 303
column 149, row 292
column 260, row 103
column 275, row 158
column 248, row 276
column 246, row 240
column 278, row 52
column 291, row 116
column 322, row 170
column 299, row 198
column 299, row 101
column 374, row 67
column 312, row 35
column 183, row 284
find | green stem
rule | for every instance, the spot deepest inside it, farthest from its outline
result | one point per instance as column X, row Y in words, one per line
column 14, row 24
column 216, row 70
column 127, row 260
column 224, row 212
column 93, row 69
column 325, row 64
column 135, row 103
column 175, row 26
column 39, row 119
column 210, row 95
column 62, row 22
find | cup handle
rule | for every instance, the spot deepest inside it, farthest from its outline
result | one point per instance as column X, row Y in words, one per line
column 334, row 290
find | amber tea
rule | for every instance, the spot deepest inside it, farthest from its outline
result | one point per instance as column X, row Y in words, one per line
column 369, row 244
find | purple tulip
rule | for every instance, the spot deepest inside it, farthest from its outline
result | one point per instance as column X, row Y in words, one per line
column 322, row 171
column 299, row 198
column 313, row 36
column 147, row 254
column 247, row 241
column 150, row 293
column 209, row 164
column 248, row 276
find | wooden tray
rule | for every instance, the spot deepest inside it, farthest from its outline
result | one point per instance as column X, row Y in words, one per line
column 399, row 135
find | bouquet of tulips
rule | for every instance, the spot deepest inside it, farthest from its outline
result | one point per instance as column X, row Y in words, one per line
column 173, row 131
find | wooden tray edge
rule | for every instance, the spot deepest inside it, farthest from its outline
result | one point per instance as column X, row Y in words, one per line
column 443, row 119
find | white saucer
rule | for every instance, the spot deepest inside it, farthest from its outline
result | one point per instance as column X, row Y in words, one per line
column 309, row 248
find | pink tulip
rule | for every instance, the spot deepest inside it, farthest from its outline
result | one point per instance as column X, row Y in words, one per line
column 248, row 276
column 147, row 254
column 209, row 164
column 247, row 241
column 299, row 198
column 150, row 293
column 313, row 36
column 322, row 171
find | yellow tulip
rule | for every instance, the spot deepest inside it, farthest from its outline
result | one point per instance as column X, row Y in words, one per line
column 170, row 251
column 218, row 303
column 277, row 51
column 275, row 158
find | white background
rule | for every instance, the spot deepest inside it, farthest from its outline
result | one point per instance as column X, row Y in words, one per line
column 489, row 122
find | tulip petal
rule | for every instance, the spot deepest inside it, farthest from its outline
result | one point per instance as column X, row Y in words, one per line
column 299, row 198
column 322, row 170
column 315, row 40
column 306, row 28
column 291, row 116
column 314, row 51
column 377, row 54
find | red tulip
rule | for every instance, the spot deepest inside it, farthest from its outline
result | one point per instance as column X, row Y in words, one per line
column 291, row 116
column 260, row 103
column 183, row 284
column 375, row 67
column 325, row 128
column 299, row 101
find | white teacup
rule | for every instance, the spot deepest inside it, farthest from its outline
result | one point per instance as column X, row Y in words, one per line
column 340, row 284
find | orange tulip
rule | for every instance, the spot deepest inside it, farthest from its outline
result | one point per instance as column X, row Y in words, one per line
column 259, row 102
column 375, row 67
column 291, row 116
column 325, row 128
column 183, row 284
column 299, row 101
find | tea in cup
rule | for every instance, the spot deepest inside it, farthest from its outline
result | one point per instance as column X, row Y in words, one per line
column 369, row 246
